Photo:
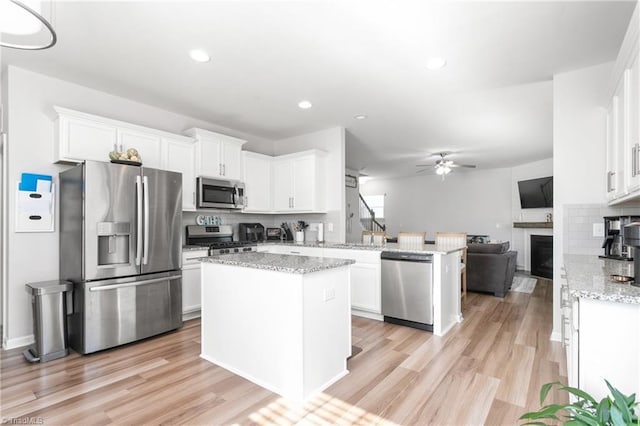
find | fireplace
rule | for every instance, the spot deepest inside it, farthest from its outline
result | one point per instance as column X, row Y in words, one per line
column 542, row 256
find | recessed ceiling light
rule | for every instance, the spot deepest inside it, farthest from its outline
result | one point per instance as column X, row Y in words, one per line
column 199, row 55
column 305, row 104
column 360, row 117
column 436, row 62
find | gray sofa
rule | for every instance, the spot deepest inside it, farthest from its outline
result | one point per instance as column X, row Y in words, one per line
column 490, row 268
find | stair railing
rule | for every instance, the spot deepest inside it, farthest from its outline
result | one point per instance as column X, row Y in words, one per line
column 368, row 217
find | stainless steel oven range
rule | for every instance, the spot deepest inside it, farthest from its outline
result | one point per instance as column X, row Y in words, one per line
column 219, row 239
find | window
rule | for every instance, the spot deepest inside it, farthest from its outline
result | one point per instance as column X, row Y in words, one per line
column 376, row 203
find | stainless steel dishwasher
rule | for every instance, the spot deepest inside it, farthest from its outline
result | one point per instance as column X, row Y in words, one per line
column 407, row 289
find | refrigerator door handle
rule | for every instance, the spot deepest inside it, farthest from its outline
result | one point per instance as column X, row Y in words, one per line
column 145, row 254
column 139, row 220
column 135, row 283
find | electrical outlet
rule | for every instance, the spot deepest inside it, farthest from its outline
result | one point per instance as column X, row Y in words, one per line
column 598, row 229
column 330, row 227
column 329, row 293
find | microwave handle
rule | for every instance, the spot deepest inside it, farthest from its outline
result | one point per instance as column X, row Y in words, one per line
column 235, row 195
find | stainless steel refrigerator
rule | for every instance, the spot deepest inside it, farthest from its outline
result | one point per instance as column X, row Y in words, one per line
column 120, row 244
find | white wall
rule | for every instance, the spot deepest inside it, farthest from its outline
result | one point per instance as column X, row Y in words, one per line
column 578, row 152
column 520, row 238
column 31, row 96
column 332, row 141
column 475, row 202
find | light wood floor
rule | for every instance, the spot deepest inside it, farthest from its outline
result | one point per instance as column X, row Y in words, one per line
column 488, row 370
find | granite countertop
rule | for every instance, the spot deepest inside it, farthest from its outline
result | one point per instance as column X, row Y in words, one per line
column 348, row 246
column 427, row 248
column 287, row 263
column 589, row 277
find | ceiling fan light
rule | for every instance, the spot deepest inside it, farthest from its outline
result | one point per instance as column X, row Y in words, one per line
column 440, row 170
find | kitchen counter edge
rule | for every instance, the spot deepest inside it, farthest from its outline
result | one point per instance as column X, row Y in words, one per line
column 588, row 277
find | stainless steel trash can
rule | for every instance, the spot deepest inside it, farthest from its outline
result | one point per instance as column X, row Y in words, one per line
column 49, row 307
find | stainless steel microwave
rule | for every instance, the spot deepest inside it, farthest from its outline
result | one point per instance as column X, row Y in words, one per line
column 219, row 194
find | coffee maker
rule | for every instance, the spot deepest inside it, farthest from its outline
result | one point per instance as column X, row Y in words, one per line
column 631, row 234
column 615, row 246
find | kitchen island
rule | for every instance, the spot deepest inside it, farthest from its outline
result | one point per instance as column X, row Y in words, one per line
column 280, row 321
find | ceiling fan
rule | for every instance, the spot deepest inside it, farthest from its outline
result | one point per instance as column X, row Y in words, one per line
column 443, row 166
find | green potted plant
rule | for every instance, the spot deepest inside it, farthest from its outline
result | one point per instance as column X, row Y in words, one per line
column 622, row 410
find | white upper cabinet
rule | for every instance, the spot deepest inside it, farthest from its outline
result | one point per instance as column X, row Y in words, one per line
column 81, row 137
column 256, row 174
column 219, row 156
column 623, row 120
column 633, row 123
column 179, row 155
column 147, row 144
column 298, row 183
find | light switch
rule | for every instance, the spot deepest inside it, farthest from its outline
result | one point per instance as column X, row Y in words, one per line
column 598, row 229
column 330, row 227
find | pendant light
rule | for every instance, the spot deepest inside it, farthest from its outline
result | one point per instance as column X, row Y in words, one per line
column 24, row 18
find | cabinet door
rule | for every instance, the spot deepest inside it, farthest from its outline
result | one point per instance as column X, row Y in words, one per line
column 148, row 146
column 633, row 123
column 210, row 161
column 180, row 156
column 365, row 287
column 231, row 160
column 282, row 185
column 304, row 183
column 80, row 139
column 190, row 289
column 257, row 181
column 623, row 172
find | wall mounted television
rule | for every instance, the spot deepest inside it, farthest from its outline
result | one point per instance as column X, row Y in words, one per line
column 536, row 193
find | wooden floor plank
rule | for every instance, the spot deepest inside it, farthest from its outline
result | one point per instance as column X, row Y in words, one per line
column 487, row 370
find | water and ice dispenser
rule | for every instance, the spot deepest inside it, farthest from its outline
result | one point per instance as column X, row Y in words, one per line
column 113, row 243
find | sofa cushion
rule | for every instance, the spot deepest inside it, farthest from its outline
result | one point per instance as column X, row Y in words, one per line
column 495, row 248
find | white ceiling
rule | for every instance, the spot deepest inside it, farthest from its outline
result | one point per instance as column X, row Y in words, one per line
column 491, row 105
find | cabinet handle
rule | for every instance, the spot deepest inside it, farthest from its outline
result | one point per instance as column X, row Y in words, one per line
column 193, row 197
column 246, row 201
column 293, row 202
column 220, row 169
column 637, row 158
column 564, row 302
column 563, row 331
column 224, row 170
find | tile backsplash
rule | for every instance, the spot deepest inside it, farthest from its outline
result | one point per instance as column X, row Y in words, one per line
column 268, row 221
column 578, row 225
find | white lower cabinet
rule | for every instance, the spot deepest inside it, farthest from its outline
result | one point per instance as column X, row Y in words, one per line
column 603, row 342
column 365, row 287
column 191, row 279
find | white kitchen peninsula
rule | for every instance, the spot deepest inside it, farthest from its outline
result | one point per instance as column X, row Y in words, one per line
column 280, row 321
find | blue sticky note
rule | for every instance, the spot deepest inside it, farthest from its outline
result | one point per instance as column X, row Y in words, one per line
column 29, row 181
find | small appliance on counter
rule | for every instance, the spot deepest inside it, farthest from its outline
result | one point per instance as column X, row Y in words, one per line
column 631, row 234
column 273, row 234
column 287, row 231
column 253, row 232
column 614, row 245
column 219, row 239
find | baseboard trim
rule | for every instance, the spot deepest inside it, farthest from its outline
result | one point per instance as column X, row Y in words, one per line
column 192, row 314
column 365, row 314
column 18, row 342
